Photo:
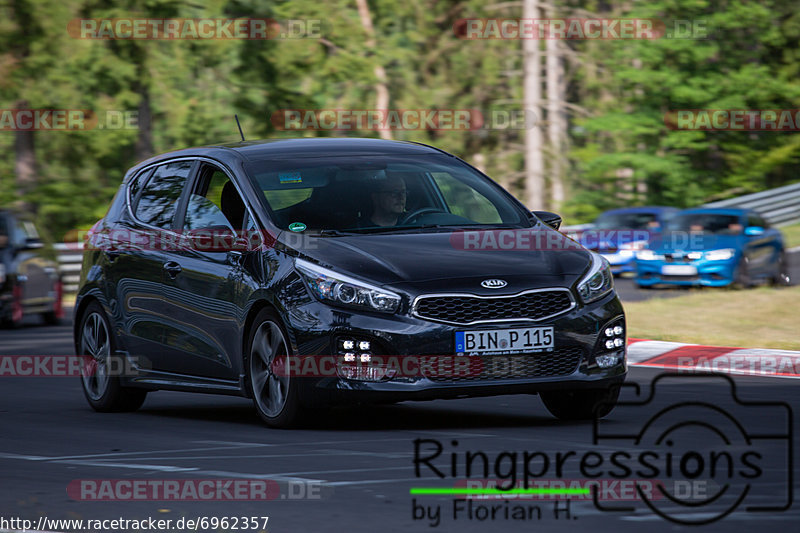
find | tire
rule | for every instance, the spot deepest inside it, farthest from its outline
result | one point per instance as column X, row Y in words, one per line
column 104, row 392
column 782, row 278
column 53, row 317
column 14, row 318
column 50, row 318
column 582, row 404
column 275, row 397
column 741, row 278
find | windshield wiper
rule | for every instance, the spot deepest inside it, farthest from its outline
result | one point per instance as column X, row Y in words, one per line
column 330, row 233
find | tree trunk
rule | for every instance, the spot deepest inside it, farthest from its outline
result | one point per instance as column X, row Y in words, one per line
column 381, row 87
column 144, row 141
column 532, row 87
column 556, row 124
column 24, row 163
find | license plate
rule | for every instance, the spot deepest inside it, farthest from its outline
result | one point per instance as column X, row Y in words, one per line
column 679, row 270
column 504, row 341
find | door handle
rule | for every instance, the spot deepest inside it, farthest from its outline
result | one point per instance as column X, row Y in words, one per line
column 172, row 268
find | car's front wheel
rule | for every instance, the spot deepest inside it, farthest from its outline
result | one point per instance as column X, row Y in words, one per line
column 782, row 278
column 583, row 404
column 274, row 393
column 101, row 386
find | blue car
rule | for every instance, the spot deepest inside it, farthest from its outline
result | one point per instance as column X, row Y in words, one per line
column 619, row 233
column 714, row 248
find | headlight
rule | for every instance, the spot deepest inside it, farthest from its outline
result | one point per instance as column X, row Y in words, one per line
column 633, row 245
column 330, row 286
column 720, row 255
column 648, row 255
column 597, row 282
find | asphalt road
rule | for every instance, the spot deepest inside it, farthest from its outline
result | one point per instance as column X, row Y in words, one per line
column 357, row 463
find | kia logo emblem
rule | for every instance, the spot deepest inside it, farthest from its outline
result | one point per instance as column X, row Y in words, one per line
column 493, row 283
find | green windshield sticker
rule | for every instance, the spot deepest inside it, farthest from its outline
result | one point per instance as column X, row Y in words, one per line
column 297, row 226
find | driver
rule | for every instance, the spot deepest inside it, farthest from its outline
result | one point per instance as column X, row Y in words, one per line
column 388, row 201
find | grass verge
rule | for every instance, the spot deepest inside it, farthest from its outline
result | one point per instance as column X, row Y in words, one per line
column 755, row 318
column 791, row 235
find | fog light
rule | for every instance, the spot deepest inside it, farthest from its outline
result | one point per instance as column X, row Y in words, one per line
column 365, row 357
column 363, row 345
column 618, row 342
column 617, row 330
column 609, row 345
column 609, row 332
column 349, row 357
column 348, row 345
column 606, row 361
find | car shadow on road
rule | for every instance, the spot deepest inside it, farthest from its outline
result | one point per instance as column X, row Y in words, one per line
column 402, row 416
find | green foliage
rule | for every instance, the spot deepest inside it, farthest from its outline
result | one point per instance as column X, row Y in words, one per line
column 622, row 151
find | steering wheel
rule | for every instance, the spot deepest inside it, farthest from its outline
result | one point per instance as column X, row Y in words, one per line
column 415, row 214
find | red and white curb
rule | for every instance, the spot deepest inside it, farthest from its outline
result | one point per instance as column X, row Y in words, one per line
column 697, row 358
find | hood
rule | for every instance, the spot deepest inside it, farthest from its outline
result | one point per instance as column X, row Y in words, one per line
column 462, row 259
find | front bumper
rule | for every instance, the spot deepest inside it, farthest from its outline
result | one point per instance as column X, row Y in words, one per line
column 577, row 334
column 708, row 273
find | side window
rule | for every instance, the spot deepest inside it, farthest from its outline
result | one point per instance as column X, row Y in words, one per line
column 464, row 201
column 214, row 202
column 755, row 220
column 159, row 198
column 136, row 185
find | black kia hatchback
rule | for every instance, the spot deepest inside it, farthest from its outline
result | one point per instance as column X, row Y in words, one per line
column 312, row 272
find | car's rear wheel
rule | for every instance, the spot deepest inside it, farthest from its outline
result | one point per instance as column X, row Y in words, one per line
column 103, row 389
column 275, row 394
column 782, row 278
column 14, row 318
column 53, row 317
column 741, row 279
column 583, row 404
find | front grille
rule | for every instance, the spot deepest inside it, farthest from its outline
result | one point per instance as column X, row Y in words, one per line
column 561, row 362
column 667, row 277
column 469, row 309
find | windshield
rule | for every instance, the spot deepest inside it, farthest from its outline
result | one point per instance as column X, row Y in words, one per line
column 381, row 193
column 707, row 223
column 646, row 221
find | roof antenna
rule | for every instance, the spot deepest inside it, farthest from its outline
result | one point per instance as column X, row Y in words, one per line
column 240, row 126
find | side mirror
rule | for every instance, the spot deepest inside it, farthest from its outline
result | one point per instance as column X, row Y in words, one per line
column 753, row 231
column 217, row 239
column 32, row 244
column 551, row 219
